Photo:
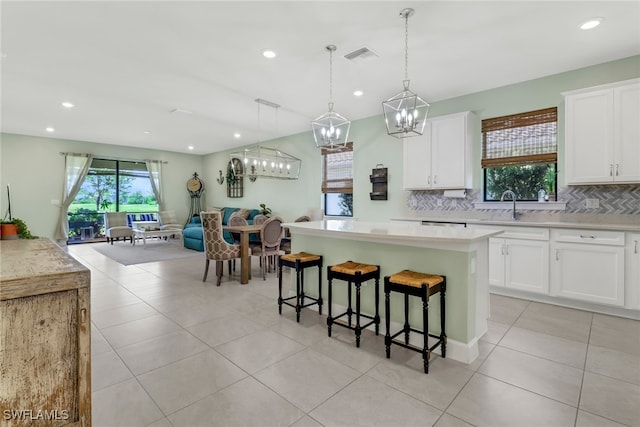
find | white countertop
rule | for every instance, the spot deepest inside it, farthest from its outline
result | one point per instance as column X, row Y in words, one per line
column 622, row 223
column 398, row 233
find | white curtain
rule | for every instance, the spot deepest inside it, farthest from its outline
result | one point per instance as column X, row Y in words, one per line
column 155, row 176
column 76, row 169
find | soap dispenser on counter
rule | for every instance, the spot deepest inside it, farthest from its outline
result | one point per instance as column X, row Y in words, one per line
column 542, row 196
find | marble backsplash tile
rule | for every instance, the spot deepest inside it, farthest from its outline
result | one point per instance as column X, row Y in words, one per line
column 612, row 199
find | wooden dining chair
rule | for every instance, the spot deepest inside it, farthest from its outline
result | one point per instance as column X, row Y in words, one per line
column 215, row 247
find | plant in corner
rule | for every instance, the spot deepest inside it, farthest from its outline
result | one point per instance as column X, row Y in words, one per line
column 549, row 180
column 264, row 210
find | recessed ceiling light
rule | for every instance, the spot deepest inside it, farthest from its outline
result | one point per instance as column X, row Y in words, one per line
column 67, row 104
column 190, row 147
column 268, row 53
column 358, row 93
column 147, row 132
column 50, row 129
column 590, row 23
column 236, row 135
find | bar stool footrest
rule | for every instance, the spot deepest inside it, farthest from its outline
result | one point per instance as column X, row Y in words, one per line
column 344, row 324
column 414, row 347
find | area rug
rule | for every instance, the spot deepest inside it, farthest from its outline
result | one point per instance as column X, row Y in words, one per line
column 154, row 250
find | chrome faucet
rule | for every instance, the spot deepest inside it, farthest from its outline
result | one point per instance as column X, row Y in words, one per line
column 513, row 197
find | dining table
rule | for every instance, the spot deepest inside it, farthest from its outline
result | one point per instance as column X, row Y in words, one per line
column 245, row 256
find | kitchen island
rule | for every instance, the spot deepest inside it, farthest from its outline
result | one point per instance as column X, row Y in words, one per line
column 461, row 254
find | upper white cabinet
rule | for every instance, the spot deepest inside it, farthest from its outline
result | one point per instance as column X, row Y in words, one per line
column 602, row 134
column 442, row 157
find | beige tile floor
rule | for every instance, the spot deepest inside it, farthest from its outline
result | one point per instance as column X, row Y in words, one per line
column 170, row 350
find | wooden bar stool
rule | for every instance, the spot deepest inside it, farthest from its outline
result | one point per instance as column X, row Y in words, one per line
column 422, row 285
column 300, row 261
column 353, row 272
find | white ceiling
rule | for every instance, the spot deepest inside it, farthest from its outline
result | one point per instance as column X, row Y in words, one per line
column 127, row 64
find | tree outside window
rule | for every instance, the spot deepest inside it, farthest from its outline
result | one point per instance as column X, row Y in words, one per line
column 519, row 153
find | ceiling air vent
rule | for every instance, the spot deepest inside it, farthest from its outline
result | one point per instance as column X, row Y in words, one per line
column 362, row 53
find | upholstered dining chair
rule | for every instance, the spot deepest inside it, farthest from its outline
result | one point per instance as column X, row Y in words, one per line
column 215, row 247
column 236, row 220
column 269, row 249
column 260, row 219
column 115, row 226
column 285, row 245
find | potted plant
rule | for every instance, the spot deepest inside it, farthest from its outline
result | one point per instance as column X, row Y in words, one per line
column 264, row 210
column 15, row 228
column 549, row 180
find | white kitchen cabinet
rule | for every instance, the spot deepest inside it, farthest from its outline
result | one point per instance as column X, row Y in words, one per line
column 632, row 272
column 588, row 265
column 519, row 259
column 442, row 157
column 602, row 131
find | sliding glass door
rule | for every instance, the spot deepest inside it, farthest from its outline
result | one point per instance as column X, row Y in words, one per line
column 110, row 186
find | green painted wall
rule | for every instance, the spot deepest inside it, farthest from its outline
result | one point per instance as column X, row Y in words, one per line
column 34, row 167
column 373, row 146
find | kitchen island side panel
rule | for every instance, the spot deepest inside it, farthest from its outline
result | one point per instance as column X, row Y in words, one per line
column 457, row 266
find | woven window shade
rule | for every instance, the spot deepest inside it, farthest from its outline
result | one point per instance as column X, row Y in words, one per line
column 520, row 139
column 337, row 170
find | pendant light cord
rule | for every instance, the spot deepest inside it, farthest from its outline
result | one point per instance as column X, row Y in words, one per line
column 330, row 73
column 406, row 46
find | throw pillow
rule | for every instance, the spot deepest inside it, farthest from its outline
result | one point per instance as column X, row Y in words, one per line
column 244, row 213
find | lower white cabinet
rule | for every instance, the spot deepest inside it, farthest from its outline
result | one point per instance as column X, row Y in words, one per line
column 588, row 265
column 519, row 259
column 632, row 275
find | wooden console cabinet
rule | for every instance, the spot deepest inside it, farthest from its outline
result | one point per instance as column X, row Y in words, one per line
column 45, row 336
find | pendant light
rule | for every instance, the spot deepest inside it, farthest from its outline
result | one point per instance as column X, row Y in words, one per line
column 267, row 162
column 405, row 113
column 330, row 130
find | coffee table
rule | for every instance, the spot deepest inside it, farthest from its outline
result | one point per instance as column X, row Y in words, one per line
column 146, row 233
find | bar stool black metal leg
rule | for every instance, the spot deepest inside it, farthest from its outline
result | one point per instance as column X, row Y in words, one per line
column 280, row 289
column 426, row 354
column 407, row 328
column 443, row 335
column 320, row 287
column 349, row 310
column 329, row 318
column 301, row 288
column 358, row 329
column 387, row 319
column 298, row 290
column 376, row 318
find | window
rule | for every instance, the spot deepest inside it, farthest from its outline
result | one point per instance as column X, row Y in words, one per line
column 337, row 180
column 519, row 153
